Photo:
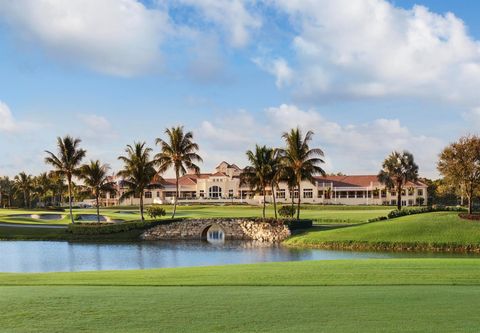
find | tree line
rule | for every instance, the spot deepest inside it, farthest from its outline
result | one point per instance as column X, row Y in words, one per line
column 459, row 164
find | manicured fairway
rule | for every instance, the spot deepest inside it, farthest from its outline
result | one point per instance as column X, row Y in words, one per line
column 323, row 214
column 439, row 229
column 419, row 295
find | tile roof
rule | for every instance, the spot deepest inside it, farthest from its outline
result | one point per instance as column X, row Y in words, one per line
column 357, row 181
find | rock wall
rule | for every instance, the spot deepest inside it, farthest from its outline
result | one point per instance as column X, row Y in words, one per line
column 234, row 229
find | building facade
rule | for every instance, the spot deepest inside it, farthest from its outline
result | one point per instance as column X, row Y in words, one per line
column 223, row 186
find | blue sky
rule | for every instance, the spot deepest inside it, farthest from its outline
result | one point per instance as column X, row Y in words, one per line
column 367, row 76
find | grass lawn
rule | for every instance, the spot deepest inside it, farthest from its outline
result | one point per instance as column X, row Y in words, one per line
column 323, row 214
column 402, row 295
column 429, row 230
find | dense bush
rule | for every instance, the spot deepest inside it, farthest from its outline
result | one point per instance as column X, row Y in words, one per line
column 298, row 224
column 376, row 219
column 103, row 228
column 156, row 211
column 287, row 211
column 411, row 211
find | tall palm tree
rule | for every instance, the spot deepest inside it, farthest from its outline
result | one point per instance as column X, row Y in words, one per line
column 260, row 173
column 24, row 185
column 301, row 161
column 67, row 162
column 138, row 171
column 397, row 170
column 96, row 181
column 178, row 152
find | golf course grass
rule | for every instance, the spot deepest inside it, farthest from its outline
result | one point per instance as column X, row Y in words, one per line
column 324, row 214
column 383, row 295
column 428, row 231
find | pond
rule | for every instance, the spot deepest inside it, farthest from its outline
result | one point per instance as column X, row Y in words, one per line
column 52, row 256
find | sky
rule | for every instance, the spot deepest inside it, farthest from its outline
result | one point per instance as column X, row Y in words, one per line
column 366, row 76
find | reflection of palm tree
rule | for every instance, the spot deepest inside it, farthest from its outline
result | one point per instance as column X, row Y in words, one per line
column 299, row 161
column 66, row 163
column 180, row 153
column 96, row 181
column 138, row 171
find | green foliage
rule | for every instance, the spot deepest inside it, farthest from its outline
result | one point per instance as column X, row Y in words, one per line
column 287, row 211
column 156, row 211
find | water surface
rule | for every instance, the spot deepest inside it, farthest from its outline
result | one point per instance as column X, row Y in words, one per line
column 52, row 256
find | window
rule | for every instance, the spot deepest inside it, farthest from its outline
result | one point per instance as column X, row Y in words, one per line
column 411, row 191
column 308, row 193
column 230, row 193
column 148, row 195
column 158, row 194
column 215, row 192
column 320, row 194
column 404, row 192
column 384, row 193
column 281, row 194
column 202, row 193
column 393, row 202
column 393, row 193
column 342, row 194
column 410, row 202
column 294, row 194
column 360, row 194
column 351, row 194
column 112, row 195
column 420, row 192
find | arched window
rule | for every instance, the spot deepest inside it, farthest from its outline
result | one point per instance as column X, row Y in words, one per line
column 215, row 192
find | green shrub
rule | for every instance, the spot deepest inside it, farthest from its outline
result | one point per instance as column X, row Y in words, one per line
column 298, row 224
column 411, row 211
column 156, row 211
column 287, row 211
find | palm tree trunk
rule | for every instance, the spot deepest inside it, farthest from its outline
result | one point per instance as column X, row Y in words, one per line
column 264, row 200
column 299, row 199
column 470, row 202
column 176, row 195
column 25, row 199
column 399, row 197
column 70, row 198
column 98, row 208
column 274, row 201
column 141, row 206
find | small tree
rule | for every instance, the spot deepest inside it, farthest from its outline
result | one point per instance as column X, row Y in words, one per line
column 287, row 211
column 138, row 171
column 96, row 181
column 24, row 185
column 397, row 170
column 156, row 211
column 460, row 165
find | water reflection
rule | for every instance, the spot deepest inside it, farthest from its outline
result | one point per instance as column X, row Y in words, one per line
column 32, row 256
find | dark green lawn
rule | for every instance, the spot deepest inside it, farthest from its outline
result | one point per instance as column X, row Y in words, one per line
column 403, row 295
column 423, row 231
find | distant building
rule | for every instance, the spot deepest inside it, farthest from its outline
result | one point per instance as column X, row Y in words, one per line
column 223, row 186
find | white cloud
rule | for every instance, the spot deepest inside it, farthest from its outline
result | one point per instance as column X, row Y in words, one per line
column 119, row 37
column 95, row 127
column 8, row 123
column 277, row 67
column 232, row 16
column 370, row 48
column 358, row 148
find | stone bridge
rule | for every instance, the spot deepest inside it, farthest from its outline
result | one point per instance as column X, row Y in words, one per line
column 220, row 229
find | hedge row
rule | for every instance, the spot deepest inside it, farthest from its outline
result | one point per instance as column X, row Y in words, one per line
column 298, row 224
column 405, row 212
column 103, row 229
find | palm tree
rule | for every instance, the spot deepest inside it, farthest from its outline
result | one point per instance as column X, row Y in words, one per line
column 67, row 162
column 275, row 176
column 7, row 189
column 138, row 171
column 178, row 152
column 258, row 175
column 43, row 187
column 24, row 185
column 299, row 160
column 397, row 170
column 96, row 181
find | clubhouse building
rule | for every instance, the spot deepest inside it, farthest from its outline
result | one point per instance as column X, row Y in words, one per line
column 223, row 186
